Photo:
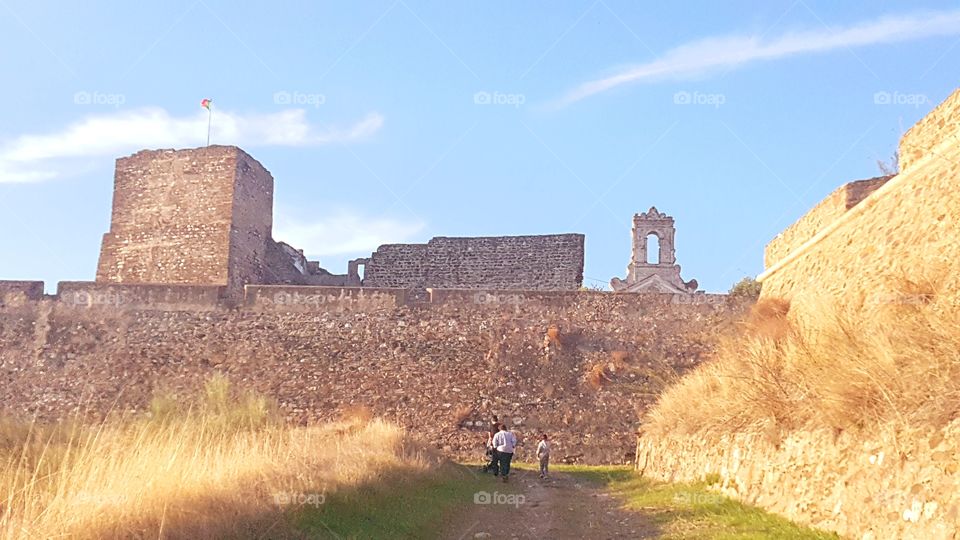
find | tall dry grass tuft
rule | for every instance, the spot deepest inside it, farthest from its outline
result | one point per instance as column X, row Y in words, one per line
column 219, row 466
column 895, row 363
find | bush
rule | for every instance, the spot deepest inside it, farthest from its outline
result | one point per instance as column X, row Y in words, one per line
column 746, row 288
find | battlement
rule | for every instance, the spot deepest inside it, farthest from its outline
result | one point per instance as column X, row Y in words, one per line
column 121, row 297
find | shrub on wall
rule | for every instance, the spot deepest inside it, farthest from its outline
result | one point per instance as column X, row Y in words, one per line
column 746, row 288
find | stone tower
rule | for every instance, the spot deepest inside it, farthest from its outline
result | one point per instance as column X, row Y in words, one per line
column 200, row 216
column 645, row 275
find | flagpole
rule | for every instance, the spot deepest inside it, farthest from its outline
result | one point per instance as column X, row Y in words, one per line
column 209, row 120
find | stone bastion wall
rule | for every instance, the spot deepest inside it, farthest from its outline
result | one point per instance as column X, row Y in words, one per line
column 897, row 242
column 902, row 235
column 441, row 365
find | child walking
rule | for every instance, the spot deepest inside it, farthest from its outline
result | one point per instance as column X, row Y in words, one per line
column 543, row 454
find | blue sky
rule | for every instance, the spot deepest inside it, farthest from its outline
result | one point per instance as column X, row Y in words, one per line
column 399, row 120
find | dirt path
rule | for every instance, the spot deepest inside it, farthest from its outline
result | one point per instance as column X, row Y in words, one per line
column 559, row 507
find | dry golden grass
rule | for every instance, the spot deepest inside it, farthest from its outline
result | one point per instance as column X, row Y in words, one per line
column 219, row 469
column 897, row 363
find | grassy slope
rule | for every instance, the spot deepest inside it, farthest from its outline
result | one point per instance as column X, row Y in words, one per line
column 396, row 506
column 690, row 510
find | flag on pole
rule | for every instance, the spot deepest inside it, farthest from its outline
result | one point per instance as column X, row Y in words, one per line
column 206, row 103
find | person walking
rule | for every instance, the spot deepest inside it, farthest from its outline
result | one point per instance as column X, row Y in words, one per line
column 543, row 454
column 505, row 442
column 494, row 464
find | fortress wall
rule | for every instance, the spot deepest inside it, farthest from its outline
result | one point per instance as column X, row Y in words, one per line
column 397, row 265
column 321, row 299
column 940, row 127
column 893, row 485
column 510, row 262
column 431, row 366
column 252, row 224
column 906, row 231
column 19, row 293
column 824, row 213
column 110, row 296
column 546, row 262
column 171, row 217
column 896, row 244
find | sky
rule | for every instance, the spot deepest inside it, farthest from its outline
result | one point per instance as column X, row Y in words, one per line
column 400, row 120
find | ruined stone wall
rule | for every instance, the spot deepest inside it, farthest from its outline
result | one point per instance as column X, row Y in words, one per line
column 548, row 262
column 905, row 232
column 442, row 366
column 892, row 485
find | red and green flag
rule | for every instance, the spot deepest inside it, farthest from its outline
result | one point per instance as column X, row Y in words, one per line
column 206, row 103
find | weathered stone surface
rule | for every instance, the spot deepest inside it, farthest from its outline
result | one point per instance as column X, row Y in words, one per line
column 545, row 262
column 904, row 232
column 200, row 216
column 440, row 368
column 825, row 212
column 891, row 485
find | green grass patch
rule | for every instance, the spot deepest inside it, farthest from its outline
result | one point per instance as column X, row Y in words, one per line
column 692, row 510
column 401, row 505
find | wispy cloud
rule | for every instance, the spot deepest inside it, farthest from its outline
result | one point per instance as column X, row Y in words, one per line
column 344, row 231
column 727, row 52
column 32, row 158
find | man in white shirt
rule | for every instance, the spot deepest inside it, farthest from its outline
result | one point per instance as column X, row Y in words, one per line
column 505, row 442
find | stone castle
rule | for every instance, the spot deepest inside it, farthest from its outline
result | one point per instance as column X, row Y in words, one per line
column 437, row 335
column 204, row 217
column 191, row 281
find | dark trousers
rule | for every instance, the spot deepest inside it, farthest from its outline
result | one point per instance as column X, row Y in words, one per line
column 505, row 459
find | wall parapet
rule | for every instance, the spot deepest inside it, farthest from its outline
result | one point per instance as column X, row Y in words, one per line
column 307, row 298
column 19, row 293
column 160, row 297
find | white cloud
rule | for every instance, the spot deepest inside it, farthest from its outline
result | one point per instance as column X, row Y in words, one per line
column 32, row 158
column 713, row 53
column 343, row 232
